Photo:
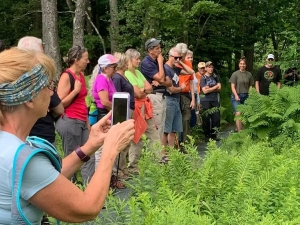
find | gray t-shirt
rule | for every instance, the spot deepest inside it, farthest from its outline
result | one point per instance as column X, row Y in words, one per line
column 38, row 174
column 242, row 81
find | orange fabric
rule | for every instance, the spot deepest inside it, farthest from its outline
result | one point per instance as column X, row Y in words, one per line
column 198, row 76
column 186, row 78
column 140, row 124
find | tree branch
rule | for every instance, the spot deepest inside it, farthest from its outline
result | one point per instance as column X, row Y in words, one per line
column 39, row 11
column 97, row 31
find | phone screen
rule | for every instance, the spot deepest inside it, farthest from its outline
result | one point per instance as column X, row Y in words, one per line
column 119, row 110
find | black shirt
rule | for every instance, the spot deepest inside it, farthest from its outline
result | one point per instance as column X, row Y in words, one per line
column 266, row 76
column 44, row 127
column 173, row 74
column 209, row 81
column 123, row 85
column 291, row 80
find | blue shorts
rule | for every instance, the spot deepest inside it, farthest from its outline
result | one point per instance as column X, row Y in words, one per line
column 173, row 122
column 234, row 103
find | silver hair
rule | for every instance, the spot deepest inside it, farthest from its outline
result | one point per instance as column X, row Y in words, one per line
column 182, row 48
column 31, row 43
column 173, row 50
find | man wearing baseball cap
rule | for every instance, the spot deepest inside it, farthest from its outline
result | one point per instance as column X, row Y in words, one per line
column 152, row 67
column 266, row 75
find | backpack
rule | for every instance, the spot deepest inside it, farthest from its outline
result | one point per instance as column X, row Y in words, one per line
column 24, row 153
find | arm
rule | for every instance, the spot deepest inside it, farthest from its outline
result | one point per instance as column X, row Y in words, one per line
column 148, row 88
column 192, row 105
column 103, row 95
column 67, row 202
column 138, row 93
column 58, row 110
column 257, row 86
column 64, row 87
column 186, row 69
column 160, row 76
column 207, row 89
column 233, row 90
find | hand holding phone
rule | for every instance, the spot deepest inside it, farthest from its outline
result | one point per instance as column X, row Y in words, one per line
column 120, row 107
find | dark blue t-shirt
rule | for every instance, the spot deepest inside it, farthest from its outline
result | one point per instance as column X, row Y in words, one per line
column 44, row 127
column 173, row 74
column 123, row 85
column 149, row 68
column 210, row 81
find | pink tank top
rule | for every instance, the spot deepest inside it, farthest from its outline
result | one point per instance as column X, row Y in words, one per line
column 78, row 109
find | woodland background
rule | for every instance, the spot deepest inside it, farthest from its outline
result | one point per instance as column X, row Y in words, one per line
column 220, row 31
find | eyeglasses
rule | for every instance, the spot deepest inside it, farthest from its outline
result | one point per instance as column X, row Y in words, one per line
column 52, row 85
column 176, row 57
column 201, row 68
column 114, row 66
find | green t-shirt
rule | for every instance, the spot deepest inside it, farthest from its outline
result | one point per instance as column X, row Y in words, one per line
column 138, row 80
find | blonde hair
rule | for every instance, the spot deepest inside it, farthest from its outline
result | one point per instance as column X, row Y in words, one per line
column 123, row 60
column 93, row 78
column 132, row 54
column 15, row 62
column 31, row 43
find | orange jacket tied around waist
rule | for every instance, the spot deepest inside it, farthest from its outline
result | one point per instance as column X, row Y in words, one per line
column 140, row 124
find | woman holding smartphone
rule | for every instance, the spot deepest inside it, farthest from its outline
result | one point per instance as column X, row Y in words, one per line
column 143, row 113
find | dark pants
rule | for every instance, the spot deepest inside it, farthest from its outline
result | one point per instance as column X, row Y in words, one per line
column 210, row 122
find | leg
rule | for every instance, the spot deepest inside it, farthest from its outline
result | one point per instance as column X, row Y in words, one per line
column 159, row 112
column 215, row 120
column 238, row 122
column 70, row 135
column 171, row 139
column 186, row 116
column 88, row 168
column 205, row 120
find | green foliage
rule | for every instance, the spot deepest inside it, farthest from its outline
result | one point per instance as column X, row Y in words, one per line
column 243, row 184
column 274, row 115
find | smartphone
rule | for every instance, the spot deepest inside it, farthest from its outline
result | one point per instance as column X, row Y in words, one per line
column 120, row 107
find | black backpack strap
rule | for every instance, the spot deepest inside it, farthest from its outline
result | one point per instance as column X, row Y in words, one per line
column 72, row 84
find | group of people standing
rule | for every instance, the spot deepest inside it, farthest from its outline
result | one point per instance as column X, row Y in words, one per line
column 242, row 80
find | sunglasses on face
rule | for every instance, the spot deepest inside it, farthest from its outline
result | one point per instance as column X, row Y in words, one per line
column 201, row 68
column 176, row 57
column 114, row 66
column 52, row 85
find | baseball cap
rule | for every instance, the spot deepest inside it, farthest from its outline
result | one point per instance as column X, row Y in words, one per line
column 201, row 64
column 208, row 63
column 270, row 56
column 106, row 60
column 152, row 42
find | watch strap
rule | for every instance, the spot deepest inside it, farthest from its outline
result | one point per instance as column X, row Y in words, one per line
column 83, row 157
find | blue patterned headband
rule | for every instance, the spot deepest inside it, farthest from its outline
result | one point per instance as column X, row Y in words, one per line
column 25, row 88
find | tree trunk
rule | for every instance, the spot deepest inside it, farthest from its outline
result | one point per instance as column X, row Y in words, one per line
column 114, row 25
column 78, row 23
column 249, row 54
column 50, row 32
column 89, row 27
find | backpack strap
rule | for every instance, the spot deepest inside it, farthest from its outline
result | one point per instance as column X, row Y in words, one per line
column 24, row 153
column 72, row 84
